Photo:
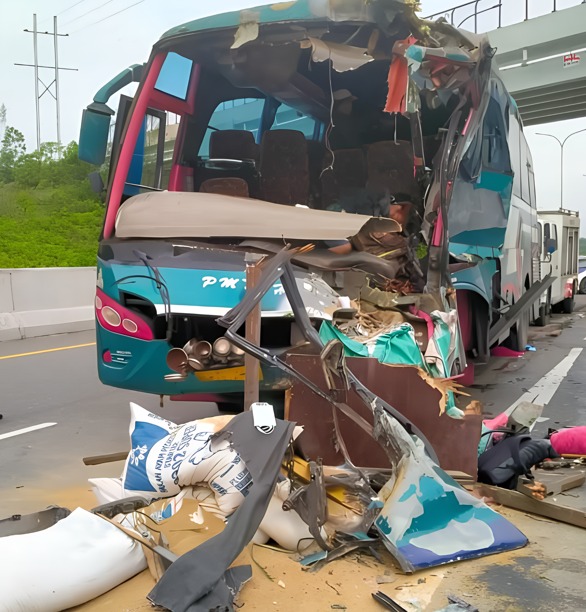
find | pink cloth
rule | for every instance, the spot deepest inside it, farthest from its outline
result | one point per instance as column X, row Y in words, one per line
column 503, row 351
column 570, row 441
column 499, row 422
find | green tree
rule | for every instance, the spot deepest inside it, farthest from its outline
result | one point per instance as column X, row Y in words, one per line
column 28, row 170
column 2, row 118
column 12, row 150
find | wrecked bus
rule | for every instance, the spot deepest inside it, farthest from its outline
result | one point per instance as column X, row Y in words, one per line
column 379, row 138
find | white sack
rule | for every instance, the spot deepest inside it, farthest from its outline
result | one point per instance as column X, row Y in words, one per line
column 74, row 561
column 285, row 527
column 166, row 457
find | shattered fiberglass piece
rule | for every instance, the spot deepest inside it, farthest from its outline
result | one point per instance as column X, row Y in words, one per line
column 427, row 518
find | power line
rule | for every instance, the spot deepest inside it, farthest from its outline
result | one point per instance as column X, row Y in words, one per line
column 70, row 7
column 65, row 10
column 108, row 17
column 88, row 12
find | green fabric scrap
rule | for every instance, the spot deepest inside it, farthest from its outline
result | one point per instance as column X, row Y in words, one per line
column 395, row 347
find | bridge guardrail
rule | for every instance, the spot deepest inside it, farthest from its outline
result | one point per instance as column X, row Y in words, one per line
column 513, row 11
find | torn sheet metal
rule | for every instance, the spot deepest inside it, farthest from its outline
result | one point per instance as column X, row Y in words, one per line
column 427, row 518
column 343, row 57
column 248, row 30
column 178, row 590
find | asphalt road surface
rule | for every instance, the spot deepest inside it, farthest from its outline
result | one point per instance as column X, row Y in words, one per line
column 55, row 412
column 51, row 383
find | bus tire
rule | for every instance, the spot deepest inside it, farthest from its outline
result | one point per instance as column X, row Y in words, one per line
column 543, row 318
column 517, row 340
column 568, row 305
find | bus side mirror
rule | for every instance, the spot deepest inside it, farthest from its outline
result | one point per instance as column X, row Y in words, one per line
column 551, row 246
column 93, row 136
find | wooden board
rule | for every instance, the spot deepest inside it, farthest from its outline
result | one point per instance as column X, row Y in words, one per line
column 555, row 482
column 109, row 458
column 546, row 508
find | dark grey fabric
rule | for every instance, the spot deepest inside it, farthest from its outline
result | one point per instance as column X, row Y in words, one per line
column 221, row 598
column 195, row 580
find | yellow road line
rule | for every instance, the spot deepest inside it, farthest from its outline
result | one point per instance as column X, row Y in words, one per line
column 52, row 350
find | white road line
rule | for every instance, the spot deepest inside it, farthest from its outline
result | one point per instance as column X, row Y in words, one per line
column 542, row 392
column 19, row 432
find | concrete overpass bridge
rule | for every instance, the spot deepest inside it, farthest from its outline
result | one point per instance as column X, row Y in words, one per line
column 541, row 52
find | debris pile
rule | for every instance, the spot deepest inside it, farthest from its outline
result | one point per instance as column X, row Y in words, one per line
column 231, row 481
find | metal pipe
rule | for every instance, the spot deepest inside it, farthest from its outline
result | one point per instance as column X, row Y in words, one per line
column 222, row 348
column 455, row 8
column 479, row 13
column 526, row 10
column 36, row 60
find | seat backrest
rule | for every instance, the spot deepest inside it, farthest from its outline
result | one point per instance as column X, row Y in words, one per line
column 233, row 144
column 284, row 167
column 230, row 186
column 347, row 172
column 391, row 166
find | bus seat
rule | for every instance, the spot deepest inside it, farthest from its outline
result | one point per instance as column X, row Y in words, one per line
column 284, row 167
column 390, row 165
column 348, row 172
column 230, row 186
column 233, row 144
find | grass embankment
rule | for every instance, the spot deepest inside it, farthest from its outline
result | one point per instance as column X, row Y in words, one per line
column 49, row 226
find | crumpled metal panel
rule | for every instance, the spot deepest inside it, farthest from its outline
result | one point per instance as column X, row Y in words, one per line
column 427, row 518
column 374, row 11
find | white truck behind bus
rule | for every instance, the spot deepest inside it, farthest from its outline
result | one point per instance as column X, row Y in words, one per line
column 560, row 231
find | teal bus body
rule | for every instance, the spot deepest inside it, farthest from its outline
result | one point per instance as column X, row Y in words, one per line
column 277, row 72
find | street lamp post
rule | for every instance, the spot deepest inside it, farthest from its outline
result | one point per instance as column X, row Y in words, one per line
column 562, row 143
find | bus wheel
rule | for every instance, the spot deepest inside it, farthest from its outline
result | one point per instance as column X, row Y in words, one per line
column 568, row 305
column 517, row 340
column 543, row 318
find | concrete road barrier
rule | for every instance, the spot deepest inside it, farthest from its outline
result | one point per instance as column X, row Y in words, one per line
column 43, row 301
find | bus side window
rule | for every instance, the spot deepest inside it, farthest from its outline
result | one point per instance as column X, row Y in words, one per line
column 495, row 150
column 243, row 114
column 175, row 75
column 515, row 151
column 146, row 169
column 525, row 157
column 287, row 118
column 546, row 237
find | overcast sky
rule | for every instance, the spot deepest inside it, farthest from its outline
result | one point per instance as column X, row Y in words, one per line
column 100, row 49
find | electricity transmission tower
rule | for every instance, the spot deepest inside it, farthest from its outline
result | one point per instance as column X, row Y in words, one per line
column 53, row 87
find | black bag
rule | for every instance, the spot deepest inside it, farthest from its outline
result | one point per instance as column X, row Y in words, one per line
column 496, row 457
column 503, row 463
